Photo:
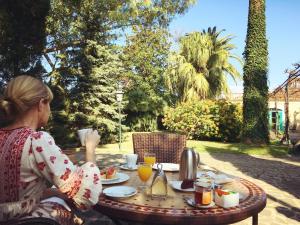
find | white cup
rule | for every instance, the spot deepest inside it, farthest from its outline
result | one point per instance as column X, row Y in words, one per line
column 131, row 160
column 82, row 135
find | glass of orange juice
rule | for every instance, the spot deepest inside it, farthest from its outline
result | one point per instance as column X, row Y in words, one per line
column 150, row 158
column 144, row 172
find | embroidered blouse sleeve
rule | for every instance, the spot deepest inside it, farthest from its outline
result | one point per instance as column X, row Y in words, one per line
column 82, row 184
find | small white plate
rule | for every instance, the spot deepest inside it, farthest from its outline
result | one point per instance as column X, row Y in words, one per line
column 209, row 174
column 223, row 179
column 121, row 177
column 169, row 167
column 125, row 167
column 218, row 178
column 176, row 184
column 120, row 191
column 191, row 202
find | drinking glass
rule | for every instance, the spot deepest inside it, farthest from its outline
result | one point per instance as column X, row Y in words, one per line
column 131, row 160
column 144, row 172
column 150, row 158
column 203, row 192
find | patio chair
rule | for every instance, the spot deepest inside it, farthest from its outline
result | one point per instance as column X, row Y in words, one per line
column 167, row 147
column 31, row 221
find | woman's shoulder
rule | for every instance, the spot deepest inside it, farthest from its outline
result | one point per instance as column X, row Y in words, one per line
column 19, row 132
column 41, row 135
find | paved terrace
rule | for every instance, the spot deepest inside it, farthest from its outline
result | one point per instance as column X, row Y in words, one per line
column 279, row 177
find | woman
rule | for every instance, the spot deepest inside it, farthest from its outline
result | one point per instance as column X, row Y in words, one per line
column 30, row 162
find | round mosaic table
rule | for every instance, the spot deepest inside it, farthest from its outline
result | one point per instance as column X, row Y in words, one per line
column 174, row 210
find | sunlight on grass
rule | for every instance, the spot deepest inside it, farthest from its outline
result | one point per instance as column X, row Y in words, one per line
column 275, row 150
column 239, row 148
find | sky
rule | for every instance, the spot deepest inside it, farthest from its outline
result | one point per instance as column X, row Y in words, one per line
column 283, row 33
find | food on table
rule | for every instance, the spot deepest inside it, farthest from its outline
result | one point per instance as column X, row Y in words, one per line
column 109, row 173
column 220, row 192
column 226, row 198
column 187, row 184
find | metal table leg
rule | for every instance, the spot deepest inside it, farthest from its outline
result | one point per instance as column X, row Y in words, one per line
column 255, row 219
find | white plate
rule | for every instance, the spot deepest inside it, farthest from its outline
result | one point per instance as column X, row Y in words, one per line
column 191, row 202
column 170, row 167
column 125, row 167
column 209, row 174
column 112, row 179
column 176, row 184
column 218, row 178
column 120, row 191
column 223, row 179
column 121, row 177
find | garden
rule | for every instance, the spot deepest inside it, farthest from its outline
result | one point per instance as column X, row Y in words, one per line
column 120, row 68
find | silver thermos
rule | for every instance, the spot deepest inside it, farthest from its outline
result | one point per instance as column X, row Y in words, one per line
column 188, row 164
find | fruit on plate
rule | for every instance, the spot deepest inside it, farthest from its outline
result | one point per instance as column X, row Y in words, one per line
column 221, row 192
column 109, row 173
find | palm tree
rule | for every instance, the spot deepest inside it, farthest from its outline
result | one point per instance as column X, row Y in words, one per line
column 201, row 67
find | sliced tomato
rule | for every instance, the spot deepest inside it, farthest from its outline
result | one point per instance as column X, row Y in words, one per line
column 221, row 192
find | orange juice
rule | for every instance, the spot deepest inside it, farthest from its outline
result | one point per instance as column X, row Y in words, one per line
column 150, row 160
column 145, row 172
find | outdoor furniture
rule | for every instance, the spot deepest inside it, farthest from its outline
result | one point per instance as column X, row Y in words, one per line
column 167, row 147
column 174, row 210
column 31, row 221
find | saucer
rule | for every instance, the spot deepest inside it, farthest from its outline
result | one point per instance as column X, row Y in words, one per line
column 111, row 179
column 121, row 177
column 191, row 202
column 176, row 184
column 169, row 167
column 217, row 178
column 125, row 167
column 120, row 191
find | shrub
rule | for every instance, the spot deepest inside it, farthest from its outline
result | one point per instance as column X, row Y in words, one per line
column 205, row 120
column 230, row 124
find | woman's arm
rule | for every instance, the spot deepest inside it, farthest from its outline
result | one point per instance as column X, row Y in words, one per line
column 81, row 184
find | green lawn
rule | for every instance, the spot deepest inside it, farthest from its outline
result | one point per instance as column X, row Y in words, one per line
column 275, row 150
column 239, row 148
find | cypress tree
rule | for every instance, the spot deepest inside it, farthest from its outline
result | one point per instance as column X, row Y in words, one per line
column 255, row 99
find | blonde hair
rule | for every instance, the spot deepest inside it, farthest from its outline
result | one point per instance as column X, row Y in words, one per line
column 21, row 94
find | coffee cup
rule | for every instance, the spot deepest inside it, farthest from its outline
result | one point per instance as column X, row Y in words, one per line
column 131, row 160
column 82, row 135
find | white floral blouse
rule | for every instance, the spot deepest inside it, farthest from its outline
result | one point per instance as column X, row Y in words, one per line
column 30, row 162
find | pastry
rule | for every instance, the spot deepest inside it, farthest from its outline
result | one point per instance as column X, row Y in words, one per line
column 187, row 184
column 109, row 173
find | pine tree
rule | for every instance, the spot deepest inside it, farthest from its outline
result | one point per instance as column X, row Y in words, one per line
column 93, row 102
column 255, row 100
